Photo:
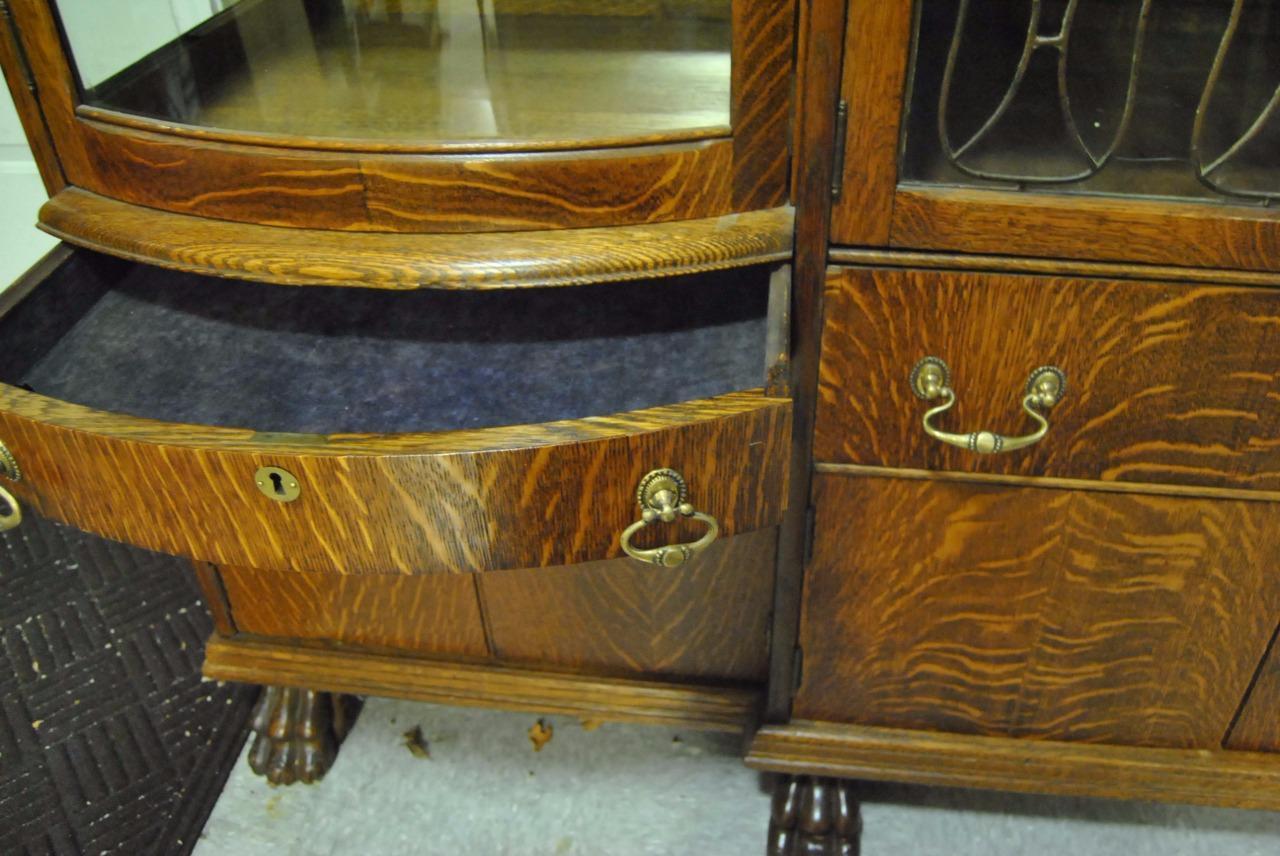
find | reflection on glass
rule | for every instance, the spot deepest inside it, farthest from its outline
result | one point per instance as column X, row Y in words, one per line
column 418, row 70
column 1136, row 97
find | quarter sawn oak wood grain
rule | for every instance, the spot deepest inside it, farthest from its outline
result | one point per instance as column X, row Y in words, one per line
column 438, row 613
column 453, row 502
column 1166, row 383
column 877, row 35
column 706, row 619
column 1087, row 227
column 1240, row 779
column 1040, row 613
column 1258, row 726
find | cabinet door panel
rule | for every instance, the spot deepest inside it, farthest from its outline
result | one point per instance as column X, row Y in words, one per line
column 1033, row 612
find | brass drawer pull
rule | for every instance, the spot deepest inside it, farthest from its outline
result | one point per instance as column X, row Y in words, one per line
column 10, row 510
column 663, row 495
column 931, row 379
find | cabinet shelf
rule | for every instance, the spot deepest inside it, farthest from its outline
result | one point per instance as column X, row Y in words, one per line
column 287, row 256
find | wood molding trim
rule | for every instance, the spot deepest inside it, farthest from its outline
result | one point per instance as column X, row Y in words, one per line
column 726, row 709
column 1095, row 228
column 283, row 256
column 868, row 471
column 877, row 44
column 1049, row 267
column 1226, row 778
column 818, row 69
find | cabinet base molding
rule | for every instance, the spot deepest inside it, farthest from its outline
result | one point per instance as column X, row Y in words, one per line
column 297, row 732
column 1209, row 777
column 332, row 670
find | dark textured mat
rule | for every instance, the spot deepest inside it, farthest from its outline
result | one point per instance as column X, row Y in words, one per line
column 110, row 742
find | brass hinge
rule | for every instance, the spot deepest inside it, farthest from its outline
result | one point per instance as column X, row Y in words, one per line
column 28, row 77
column 837, row 165
column 809, row 517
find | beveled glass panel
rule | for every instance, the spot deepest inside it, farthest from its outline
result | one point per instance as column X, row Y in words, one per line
column 1176, row 99
column 410, row 71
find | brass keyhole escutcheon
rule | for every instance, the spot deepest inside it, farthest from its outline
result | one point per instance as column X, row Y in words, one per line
column 277, row 485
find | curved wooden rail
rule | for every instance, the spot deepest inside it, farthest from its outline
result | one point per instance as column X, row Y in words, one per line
column 287, row 256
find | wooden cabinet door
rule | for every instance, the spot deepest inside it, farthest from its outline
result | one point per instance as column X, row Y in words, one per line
column 1035, row 612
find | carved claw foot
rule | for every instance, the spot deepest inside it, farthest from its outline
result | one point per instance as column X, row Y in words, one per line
column 814, row 816
column 296, row 733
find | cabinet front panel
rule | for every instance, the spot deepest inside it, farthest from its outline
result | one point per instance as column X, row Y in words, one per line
column 438, row 614
column 1258, row 726
column 707, row 619
column 1031, row 612
column 1167, row 383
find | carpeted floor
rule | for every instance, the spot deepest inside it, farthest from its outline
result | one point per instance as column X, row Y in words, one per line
column 110, row 742
column 623, row 790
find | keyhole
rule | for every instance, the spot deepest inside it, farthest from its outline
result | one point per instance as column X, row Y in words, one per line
column 276, row 484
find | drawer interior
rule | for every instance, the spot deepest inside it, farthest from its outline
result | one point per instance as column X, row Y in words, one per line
column 178, row 347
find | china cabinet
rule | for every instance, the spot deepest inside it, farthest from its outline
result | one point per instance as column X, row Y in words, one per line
column 893, row 381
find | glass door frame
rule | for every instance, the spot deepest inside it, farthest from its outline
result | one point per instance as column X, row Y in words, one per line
column 354, row 185
column 875, row 208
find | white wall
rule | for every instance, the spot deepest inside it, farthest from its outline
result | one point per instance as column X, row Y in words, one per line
column 21, row 245
column 108, row 35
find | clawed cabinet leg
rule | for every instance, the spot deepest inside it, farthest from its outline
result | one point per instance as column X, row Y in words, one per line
column 814, row 816
column 296, row 733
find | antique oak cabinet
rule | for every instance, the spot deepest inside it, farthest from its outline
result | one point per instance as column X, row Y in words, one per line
column 447, row 339
column 893, row 381
column 1039, row 396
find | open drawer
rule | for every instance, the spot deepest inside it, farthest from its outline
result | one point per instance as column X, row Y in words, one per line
column 425, row 431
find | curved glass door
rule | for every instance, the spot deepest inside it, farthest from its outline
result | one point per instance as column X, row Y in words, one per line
column 413, row 72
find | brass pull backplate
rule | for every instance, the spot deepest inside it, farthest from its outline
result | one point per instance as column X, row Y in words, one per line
column 931, row 380
column 663, row 496
column 10, row 509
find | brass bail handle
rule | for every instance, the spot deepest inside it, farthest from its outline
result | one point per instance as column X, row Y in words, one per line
column 931, row 380
column 10, row 510
column 663, row 496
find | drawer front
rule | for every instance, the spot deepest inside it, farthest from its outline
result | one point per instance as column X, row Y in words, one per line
column 438, row 614
column 705, row 620
column 453, row 502
column 1031, row 612
column 1165, row 383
